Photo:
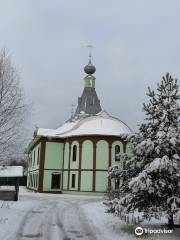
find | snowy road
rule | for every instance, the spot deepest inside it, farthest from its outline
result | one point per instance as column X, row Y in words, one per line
column 55, row 218
column 39, row 216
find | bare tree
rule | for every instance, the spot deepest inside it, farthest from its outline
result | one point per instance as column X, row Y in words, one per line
column 12, row 108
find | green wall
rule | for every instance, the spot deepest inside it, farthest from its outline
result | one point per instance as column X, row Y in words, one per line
column 101, row 181
column 87, row 155
column 102, row 154
column 53, row 155
column 53, row 163
column 65, row 180
column 66, row 155
column 86, row 180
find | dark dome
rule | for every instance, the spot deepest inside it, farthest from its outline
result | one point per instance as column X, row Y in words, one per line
column 89, row 69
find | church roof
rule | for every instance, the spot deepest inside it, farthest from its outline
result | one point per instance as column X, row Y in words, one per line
column 88, row 102
column 99, row 124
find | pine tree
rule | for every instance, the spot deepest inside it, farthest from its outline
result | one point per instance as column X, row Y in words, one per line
column 152, row 174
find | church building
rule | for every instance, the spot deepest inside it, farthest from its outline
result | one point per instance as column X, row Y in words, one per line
column 75, row 157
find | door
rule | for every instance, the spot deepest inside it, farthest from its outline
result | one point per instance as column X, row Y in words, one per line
column 56, row 181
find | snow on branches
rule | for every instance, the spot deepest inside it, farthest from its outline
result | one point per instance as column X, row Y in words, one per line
column 151, row 177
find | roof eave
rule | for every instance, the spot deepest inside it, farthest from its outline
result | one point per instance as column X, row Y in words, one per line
column 31, row 144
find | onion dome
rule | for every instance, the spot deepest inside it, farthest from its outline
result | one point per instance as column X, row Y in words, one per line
column 89, row 69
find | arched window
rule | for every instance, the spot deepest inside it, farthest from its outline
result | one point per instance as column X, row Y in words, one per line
column 117, row 152
column 74, row 153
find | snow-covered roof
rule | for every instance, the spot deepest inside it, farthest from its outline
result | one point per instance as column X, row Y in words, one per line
column 99, row 124
column 11, row 171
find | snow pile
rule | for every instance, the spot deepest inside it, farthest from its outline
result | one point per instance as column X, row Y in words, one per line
column 11, row 171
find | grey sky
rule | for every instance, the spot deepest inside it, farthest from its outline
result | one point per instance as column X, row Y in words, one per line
column 135, row 43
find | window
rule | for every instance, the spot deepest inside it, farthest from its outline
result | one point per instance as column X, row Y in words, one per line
column 29, row 180
column 34, row 157
column 33, row 180
column 74, row 153
column 37, row 179
column 38, row 157
column 73, row 180
column 55, row 181
column 30, row 160
column 117, row 152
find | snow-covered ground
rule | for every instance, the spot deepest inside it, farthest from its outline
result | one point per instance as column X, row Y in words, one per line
column 63, row 217
column 110, row 227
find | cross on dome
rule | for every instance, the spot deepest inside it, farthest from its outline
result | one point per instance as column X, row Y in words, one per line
column 90, row 68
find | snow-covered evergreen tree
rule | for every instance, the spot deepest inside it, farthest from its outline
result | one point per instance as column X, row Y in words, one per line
column 152, row 175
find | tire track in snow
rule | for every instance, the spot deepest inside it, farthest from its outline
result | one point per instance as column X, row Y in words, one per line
column 74, row 222
column 55, row 218
column 37, row 222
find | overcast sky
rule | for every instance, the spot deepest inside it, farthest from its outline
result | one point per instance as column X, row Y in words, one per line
column 135, row 43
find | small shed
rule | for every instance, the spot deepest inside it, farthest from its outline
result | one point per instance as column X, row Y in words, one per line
column 10, row 176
